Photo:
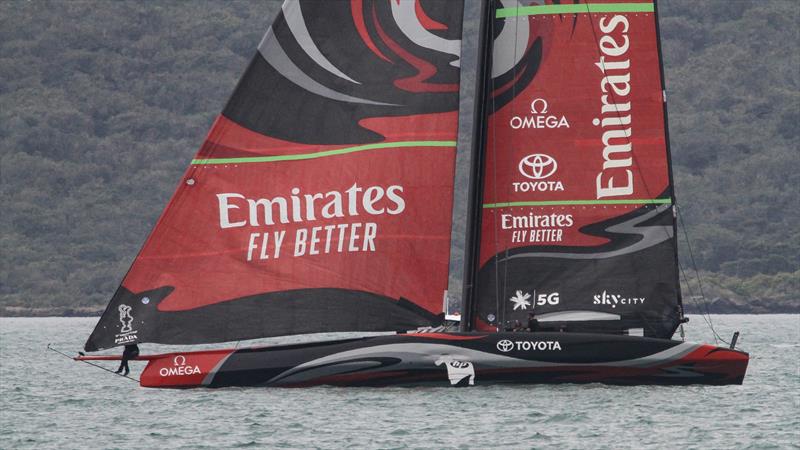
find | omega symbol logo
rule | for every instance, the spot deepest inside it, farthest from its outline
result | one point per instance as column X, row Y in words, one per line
column 505, row 345
column 537, row 166
column 179, row 360
column 541, row 103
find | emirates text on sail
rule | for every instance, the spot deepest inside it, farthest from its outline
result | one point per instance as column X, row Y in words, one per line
column 237, row 211
column 615, row 179
column 531, row 227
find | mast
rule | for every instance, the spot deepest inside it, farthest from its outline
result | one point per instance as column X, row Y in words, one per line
column 475, row 185
column 669, row 158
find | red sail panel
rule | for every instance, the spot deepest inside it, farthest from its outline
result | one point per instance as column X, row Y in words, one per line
column 577, row 197
column 321, row 199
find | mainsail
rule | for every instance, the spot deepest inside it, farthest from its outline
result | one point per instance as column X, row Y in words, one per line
column 578, row 222
column 321, row 198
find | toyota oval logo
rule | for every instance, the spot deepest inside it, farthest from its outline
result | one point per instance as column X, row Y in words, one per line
column 505, row 345
column 537, row 166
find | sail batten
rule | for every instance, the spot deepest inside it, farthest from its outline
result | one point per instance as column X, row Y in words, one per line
column 325, row 153
column 578, row 8
column 632, row 201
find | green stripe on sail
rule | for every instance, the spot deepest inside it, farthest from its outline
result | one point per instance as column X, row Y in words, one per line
column 338, row 151
column 585, row 8
column 634, row 201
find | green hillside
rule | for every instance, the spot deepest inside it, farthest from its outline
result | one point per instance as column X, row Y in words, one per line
column 102, row 105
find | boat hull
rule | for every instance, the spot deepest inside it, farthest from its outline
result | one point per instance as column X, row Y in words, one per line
column 453, row 359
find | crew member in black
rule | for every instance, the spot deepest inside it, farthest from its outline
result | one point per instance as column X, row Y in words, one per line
column 533, row 324
column 131, row 351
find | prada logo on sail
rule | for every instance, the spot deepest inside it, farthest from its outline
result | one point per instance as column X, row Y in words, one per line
column 616, row 177
column 236, row 211
column 538, row 118
column 126, row 333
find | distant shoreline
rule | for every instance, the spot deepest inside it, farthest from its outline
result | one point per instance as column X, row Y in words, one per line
column 716, row 306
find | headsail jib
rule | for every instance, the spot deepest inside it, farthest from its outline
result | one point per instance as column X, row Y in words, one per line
column 321, row 199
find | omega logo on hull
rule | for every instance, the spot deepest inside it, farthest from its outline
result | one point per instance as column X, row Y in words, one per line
column 179, row 367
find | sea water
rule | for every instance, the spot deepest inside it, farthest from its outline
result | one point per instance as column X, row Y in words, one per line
column 49, row 401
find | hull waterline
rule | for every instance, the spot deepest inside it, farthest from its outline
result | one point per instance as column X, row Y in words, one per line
column 452, row 359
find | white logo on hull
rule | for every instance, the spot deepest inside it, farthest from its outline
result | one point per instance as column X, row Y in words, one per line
column 179, row 367
column 507, row 345
column 457, row 371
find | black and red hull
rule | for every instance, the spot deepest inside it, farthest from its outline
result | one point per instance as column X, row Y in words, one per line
column 447, row 359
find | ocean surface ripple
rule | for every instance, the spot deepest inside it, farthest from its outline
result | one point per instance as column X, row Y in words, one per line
column 48, row 401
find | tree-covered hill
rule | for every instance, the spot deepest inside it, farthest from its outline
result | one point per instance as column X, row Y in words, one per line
column 102, row 105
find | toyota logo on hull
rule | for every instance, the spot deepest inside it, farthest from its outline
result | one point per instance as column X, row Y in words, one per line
column 505, row 345
column 537, row 166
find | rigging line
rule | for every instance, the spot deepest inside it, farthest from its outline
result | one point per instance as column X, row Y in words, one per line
column 697, row 272
column 706, row 317
column 90, row 363
column 496, row 232
column 694, row 300
column 513, row 111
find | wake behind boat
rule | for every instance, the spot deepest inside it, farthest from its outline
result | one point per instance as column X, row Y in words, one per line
column 323, row 201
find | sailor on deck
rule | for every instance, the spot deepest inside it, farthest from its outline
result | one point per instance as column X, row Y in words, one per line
column 131, row 351
column 533, row 324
